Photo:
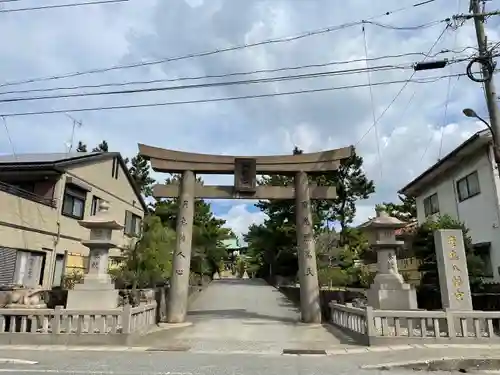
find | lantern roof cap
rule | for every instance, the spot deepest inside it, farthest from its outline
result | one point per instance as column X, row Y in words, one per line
column 383, row 220
column 102, row 219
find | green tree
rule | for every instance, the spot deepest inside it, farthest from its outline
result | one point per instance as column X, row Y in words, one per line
column 405, row 210
column 352, row 185
column 82, row 147
column 141, row 173
column 208, row 231
column 101, row 147
column 425, row 251
column 273, row 244
column 148, row 260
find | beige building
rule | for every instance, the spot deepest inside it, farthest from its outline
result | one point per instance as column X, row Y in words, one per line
column 42, row 197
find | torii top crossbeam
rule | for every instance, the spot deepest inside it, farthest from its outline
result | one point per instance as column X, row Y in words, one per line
column 170, row 161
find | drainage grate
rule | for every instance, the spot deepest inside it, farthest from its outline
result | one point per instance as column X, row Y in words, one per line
column 169, row 349
column 304, row 351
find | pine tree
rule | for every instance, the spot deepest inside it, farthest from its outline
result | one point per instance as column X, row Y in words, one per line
column 82, row 147
column 139, row 169
column 101, row 147
column 352, row 185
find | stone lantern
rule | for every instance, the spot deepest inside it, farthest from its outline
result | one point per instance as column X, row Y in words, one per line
column 389, row 290
column 97, row 290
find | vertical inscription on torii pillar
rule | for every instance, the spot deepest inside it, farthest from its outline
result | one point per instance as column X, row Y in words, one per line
column 179, row 283
column 308, row 277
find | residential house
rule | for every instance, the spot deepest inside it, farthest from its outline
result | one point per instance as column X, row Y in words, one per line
column 42, row 197
column 465, row 185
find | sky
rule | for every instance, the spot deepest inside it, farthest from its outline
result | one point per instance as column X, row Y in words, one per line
column 419, row 122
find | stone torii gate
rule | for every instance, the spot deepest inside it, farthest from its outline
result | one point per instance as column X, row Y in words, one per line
column 245, row 170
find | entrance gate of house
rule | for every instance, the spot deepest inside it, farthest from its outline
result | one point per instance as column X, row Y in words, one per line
column 245, row 170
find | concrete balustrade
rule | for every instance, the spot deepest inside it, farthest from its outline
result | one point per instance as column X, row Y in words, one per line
column 75, row 327
column 388, row 327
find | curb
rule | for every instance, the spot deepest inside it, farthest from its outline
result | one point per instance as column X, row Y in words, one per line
column 74, row 348
column 393, row 348
column 286, row 351
column 14, row 361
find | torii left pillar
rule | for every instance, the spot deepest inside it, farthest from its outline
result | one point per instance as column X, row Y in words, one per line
column 310, row 307
column 179, row 282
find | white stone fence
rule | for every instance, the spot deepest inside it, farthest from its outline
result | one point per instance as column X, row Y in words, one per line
column 390, row 327
column 61, row 326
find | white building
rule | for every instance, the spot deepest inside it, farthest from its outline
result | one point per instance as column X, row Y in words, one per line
column 465, row 185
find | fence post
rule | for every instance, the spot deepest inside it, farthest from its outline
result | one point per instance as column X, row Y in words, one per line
column 126, row 318
column 56, row 320
column 370, row 323
column 450, row 323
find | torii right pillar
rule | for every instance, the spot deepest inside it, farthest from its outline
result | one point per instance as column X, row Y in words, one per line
column 310, row 307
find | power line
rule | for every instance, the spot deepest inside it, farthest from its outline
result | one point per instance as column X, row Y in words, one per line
column 219, row 84
column 402, row 89
column 232, row 74
column 71, row 5
column 163, row 104
column 371, row 99
column 216, row 51
column 208, row 85
column 448, row 94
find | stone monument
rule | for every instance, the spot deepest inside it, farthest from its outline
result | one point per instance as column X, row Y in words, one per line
column 452, row 267
column 389, row 290
column 97, row 292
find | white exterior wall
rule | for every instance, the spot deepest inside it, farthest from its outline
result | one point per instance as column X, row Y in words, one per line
column 479, row 213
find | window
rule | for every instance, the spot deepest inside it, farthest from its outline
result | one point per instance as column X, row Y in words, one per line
column 74, row 202
column 29, row 268
column 468, row 186
column 115, row 168
column 431, row 205
column 132, row 224
column 483, row 250
column 94, row 208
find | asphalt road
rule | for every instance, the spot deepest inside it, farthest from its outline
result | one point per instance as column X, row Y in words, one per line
column 182, row 363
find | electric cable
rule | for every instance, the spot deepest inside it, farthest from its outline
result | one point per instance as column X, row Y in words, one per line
column 487, row 65
column 216, row 51
column 447, row 101
column 70, row 5
column 371, row 99
column 223, row 99
column 232, row 74
column 402, row 88
column 218, row 84
column 207, row 85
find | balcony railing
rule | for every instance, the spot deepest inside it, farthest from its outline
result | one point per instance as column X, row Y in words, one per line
column 10, row 189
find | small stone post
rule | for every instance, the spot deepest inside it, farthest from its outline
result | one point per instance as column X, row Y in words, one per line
column 97, row 290
column 310, row 307
column 389, row 290
column 179, row 283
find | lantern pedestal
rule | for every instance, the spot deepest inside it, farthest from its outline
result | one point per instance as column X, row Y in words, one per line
column 97, row 292
column 388, row 290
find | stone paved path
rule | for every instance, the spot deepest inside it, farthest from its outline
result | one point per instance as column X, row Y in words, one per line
column 246, row 316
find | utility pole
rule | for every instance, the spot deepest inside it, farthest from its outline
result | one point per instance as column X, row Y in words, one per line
column 489, row 85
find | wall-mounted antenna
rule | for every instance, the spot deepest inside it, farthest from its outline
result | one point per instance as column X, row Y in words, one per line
column 76, row 123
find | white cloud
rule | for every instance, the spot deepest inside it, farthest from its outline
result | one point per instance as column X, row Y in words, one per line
column 238, row 218
column 412, row 134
